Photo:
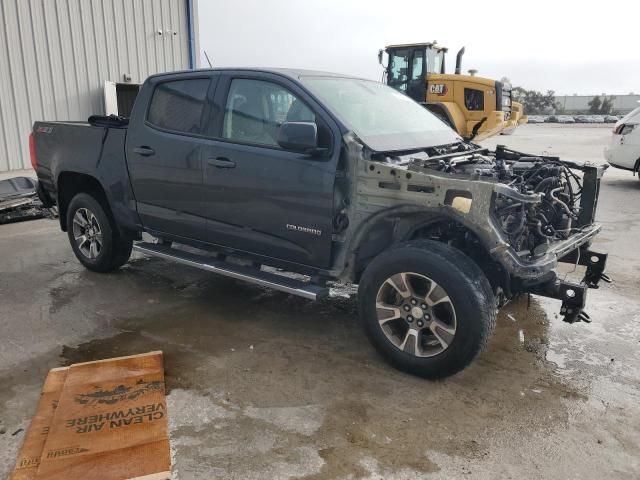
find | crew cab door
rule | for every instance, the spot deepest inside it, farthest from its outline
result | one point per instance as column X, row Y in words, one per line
column 261, row 198
column 164, row 152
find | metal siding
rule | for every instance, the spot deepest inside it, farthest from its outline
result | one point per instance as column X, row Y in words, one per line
column 156, row 16
column 55, row 56
column 183, row 35
column 10, row 116
column 580, row 103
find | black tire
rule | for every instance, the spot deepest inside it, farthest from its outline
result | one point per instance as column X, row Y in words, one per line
column 123, row 253
column 112, row 252
column 469, row 295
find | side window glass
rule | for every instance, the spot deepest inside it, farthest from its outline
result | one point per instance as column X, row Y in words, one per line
column 398, row 72
column 178, row 105
column 255, row 110
column 473, row 99
column 417, row 65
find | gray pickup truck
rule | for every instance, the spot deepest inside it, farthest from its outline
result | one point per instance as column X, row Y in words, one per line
column 256, row 174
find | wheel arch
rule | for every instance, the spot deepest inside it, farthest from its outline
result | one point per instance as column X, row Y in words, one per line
column 390, row 227
column 382, row 230
column 471, row 246
column 69, row 184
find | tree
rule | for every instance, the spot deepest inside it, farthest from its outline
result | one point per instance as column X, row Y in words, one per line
column 607, row 105
column 535, row 103
column 595, row 104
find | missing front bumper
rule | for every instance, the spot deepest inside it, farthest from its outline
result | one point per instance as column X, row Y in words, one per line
column 574, row 295
column 545, row 263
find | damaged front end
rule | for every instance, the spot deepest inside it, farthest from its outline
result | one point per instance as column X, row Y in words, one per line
column 527, row 212
column 558, row 227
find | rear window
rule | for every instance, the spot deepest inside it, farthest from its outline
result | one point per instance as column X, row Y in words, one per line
column 178, row 105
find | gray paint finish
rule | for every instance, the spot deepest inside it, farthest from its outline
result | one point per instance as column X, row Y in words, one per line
column 55, row 56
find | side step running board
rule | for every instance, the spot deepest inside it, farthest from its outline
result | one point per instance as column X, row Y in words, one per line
column 239, row 272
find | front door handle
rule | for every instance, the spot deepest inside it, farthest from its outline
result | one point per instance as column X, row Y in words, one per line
column 144, row 151
column 221, row 162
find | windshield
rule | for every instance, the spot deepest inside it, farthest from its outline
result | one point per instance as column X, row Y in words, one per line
column 383, row 118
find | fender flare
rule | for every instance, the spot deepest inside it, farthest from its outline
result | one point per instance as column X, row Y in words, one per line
column 421, row 217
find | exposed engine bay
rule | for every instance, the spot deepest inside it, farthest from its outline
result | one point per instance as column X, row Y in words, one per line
column 517, row 215
column 529, row 225
column 549, row 207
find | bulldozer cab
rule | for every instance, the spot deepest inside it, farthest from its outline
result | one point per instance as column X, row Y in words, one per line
column 473, row 106
column 408, row 66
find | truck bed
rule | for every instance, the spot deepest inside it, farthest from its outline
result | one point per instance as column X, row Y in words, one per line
column 76, row 146
column 79, row 152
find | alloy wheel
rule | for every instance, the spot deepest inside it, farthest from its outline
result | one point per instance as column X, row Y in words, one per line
column 416, row 314
column 87, row 233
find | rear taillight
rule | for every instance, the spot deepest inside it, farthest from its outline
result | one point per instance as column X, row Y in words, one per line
column 32, row 151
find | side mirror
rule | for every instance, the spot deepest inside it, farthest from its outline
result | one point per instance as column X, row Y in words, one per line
column 380, row 52
column 298, row 136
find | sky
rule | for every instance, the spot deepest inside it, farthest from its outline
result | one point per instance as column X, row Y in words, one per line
column 571, row 47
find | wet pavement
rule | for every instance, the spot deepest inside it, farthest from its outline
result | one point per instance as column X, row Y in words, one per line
column 262, row 385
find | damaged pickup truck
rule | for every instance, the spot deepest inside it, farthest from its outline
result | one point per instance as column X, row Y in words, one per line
column 257, row 174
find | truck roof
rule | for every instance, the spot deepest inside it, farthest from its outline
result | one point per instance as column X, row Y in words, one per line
column 416, row 45
column 293, row 73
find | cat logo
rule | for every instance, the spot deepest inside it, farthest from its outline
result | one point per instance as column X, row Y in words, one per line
column 439, row 89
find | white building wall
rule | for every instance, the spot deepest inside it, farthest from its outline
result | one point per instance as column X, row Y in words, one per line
column 571, row 104
column 55, row 56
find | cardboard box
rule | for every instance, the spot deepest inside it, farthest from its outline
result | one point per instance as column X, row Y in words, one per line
column 110, row 423
column 29, row 455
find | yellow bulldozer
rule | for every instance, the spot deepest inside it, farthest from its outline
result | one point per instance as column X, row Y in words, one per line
column 476, row 107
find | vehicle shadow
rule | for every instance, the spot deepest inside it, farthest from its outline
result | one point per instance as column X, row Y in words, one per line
column 303, row 376
column 619, row 178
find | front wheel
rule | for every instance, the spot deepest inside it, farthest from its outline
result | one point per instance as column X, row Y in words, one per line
column 426, row 307
column 93, row 237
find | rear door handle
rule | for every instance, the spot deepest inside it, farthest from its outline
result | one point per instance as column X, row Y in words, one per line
column 144, row 151
column 221, row 162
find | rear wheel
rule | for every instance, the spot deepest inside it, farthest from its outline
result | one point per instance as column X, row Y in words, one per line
column 93, row 237
column 427, row 308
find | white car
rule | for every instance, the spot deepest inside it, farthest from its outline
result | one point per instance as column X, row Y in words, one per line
column 624, row 149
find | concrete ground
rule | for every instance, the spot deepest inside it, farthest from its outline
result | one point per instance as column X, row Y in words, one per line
column 262, row 385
